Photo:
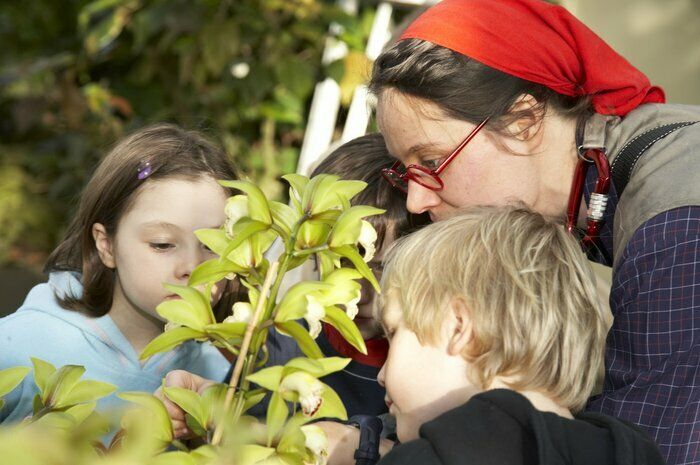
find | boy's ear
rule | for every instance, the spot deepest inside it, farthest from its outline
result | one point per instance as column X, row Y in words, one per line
column 103, row 243
column 527, row 125
column 463, row 330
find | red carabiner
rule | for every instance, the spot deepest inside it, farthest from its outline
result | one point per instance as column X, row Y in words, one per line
column 599, row 197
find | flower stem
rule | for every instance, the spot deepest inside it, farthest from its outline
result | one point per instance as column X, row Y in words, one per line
column 238, row 368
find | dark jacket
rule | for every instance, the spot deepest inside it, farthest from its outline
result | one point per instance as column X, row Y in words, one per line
column 501, row 427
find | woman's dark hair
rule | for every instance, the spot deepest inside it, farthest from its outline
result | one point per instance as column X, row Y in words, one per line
column 464, row 88
column 363, row 159
column 170, row 152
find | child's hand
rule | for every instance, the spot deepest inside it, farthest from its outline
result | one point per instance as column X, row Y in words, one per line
column 186, row 380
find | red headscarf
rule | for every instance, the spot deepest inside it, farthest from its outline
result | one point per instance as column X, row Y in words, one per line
column 539, row 42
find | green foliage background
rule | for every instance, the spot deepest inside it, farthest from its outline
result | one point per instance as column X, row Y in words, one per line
column 76, row 75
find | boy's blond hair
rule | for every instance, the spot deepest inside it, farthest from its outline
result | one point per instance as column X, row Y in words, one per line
column 530, row 291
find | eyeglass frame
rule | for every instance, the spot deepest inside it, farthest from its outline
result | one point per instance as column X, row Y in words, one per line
column 406, row 176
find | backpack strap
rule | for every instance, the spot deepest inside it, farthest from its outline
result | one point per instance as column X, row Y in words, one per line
column 624, row 162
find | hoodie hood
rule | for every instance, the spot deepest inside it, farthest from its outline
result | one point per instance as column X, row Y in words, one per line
column 43, row 298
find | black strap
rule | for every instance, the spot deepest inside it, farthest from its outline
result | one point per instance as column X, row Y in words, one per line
column 624, row 162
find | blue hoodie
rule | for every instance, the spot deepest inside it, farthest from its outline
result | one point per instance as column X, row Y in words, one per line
column 42, row 328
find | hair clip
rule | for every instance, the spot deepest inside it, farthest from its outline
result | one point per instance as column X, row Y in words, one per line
column 145, row 169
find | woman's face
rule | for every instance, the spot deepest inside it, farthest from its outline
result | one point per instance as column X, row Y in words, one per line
column 484, row 173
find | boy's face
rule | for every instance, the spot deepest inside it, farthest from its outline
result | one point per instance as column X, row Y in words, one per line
column 421, row 380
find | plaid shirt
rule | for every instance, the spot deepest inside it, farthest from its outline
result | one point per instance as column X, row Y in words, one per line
column 652, row 358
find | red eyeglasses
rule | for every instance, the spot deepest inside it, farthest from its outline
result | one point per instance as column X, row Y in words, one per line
column 422, row 175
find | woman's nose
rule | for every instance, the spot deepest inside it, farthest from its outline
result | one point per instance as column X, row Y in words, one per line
column 420, row 199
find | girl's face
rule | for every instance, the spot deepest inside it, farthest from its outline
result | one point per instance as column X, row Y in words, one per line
column 483, row 173
column 422, row 381
column 155, row 241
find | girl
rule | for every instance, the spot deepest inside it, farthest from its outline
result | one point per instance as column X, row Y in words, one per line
column 133, row 231
column 492, row 102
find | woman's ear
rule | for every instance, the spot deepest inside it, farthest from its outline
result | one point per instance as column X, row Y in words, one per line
column 528, row 120
column 462, row 330
column 103, row 243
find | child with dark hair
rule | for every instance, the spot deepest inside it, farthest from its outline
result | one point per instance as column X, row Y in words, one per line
column 132, row 232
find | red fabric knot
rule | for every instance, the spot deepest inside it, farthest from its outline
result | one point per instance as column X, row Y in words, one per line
column 539, row 42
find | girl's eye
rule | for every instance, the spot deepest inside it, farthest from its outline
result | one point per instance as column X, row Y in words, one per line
column 161, row 246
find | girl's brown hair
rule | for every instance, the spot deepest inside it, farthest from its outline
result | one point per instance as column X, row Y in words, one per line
column 464, row 88
column 168, row 151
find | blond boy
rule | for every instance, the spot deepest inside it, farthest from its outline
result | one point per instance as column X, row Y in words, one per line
column 496, row 334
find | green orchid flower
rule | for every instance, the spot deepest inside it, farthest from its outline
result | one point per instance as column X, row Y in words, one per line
column 191, row 317
column 298, row 382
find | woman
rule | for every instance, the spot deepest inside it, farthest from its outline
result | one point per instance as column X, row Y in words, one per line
column 511, row 101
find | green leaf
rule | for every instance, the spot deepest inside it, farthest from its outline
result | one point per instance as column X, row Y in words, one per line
column 241, row 231
column 347, row 228
column 199, row 302
column 258, row 207
column 301, row 335
column 332, row 406
column 351, row 253
column 189, row 401
column 253, row 399
column 259, row 244
column 312, row 234
column 337, row 195
column 81, row 412
column 60, row 383
column 215, row 239
column 182, row 313
column 293, row 440
column 173, row 458
column 318, row 187
column 37, row 404
column 106, row 30
column 293, row 304
column 164, row 428
column 327, row 262
column 328, row 217
column 42, row 371
column 283, row 216
column 213, row 270
column 168, row 340
column 252, row 454
column 344, row 289
column 269, row 378
column 11, row 377
column 342, row 322
column 297, row 183
column 227, row 330
column 277, row 413
column 317, row 368
column 212, row 401
column 87, row 391
column 56, row 421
